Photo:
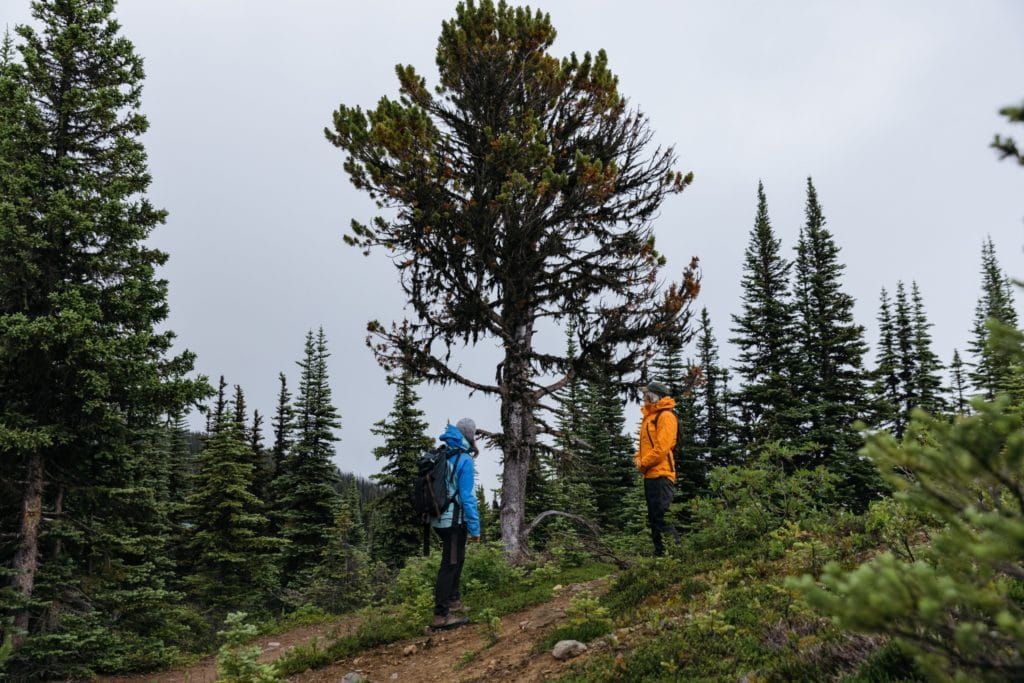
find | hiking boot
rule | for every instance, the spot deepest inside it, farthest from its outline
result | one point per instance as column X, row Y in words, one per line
column 457, row 606
column 444, row 621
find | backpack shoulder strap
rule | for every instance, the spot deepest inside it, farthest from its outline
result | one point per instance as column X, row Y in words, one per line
column 455, row 500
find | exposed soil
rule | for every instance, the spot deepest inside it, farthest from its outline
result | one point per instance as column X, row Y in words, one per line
column 435, row 657
column 443, row 656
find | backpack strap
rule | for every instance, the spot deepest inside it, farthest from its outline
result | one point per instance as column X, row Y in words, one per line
column 455, row 483
column 671, row 453
column 456, row 512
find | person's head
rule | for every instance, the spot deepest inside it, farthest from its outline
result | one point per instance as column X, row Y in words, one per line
column 654, row 391
column 468, row 428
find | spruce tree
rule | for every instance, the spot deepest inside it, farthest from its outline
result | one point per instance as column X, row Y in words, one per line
column 607, row 455
column 263, row 461
column 991, row 369
column 829, row 349
column 906, row 356
column 712, row 428
column 306, row 500
column 232, row 561
column 886, row 409
column 339, row 582
column 405, row 439
column 181, row 482
column 85, row 376
column 240, row 416
column 927, row 366
column 488, row 518
column 683, row 379
column 763, row 335
column 541, row 492
column 958, row 385
column 566, row 461
column 691, row 463
column 670, row 368
column 729, row 426
column 283, row 425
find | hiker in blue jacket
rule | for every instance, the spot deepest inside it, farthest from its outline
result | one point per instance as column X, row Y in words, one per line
column 458, row 520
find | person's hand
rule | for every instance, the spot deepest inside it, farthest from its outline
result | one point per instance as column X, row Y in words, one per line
column 475, row 539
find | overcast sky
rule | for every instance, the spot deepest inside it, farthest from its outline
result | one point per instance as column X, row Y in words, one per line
column 890, row 107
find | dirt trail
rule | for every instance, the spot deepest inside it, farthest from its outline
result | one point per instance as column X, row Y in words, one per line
column 272, row 646
column 439, row 657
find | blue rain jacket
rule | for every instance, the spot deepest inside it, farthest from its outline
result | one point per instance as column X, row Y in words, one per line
column 462, row 483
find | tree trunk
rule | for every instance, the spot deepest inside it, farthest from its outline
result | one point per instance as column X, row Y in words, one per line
column 26, row 558
column 54, row 610
column 519, row 437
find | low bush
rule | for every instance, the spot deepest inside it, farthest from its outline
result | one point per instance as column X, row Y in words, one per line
column 587, row 620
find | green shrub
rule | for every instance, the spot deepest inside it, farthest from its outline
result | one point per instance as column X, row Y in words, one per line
column 238, row 662
column 897, row 526
column 955, row 606
column 891, row 663
column 587, row 620
column 646, row 578
column 746, row 503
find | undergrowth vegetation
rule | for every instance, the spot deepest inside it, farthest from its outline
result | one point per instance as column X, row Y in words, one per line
column 719, row 606
column 491, row 587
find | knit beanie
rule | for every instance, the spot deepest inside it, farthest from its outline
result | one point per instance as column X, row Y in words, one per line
column 468, row 429
column 658, row 388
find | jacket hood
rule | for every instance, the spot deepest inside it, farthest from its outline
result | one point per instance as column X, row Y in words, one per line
column 666, row 403
column 454, row 439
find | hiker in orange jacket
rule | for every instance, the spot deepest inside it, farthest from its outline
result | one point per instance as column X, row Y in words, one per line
column 655, row 460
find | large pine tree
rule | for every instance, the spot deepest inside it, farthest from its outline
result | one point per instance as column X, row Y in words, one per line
column 763, row 335
column 524, row 188
column 829, row 343
column 84, row 374
column 829, row 350
column 405, row 438
column 306, row 501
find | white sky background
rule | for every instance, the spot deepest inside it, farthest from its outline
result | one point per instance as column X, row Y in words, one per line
column 889, row 106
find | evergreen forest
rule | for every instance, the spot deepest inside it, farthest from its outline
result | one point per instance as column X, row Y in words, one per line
column 850, row 506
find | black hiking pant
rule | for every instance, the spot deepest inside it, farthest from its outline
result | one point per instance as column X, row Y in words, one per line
column 659, row 493
column 453, row 556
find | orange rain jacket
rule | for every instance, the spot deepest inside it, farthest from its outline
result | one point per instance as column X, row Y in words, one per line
column 658, row 432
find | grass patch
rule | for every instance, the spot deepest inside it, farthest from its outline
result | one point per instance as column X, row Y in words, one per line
column 491, row 588
column 583, row 632
column 891, row 663
column 648, row 578
column 307, row 615
column 517, row 596
column 379, row 628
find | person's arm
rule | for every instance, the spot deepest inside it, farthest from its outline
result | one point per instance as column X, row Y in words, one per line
column 467, row 496
column 663, row 437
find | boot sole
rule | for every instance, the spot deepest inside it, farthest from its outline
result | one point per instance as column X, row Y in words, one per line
column 448, row 627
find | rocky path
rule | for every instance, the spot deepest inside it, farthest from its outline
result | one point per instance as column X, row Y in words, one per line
column 461, row 655
column 458, row 655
